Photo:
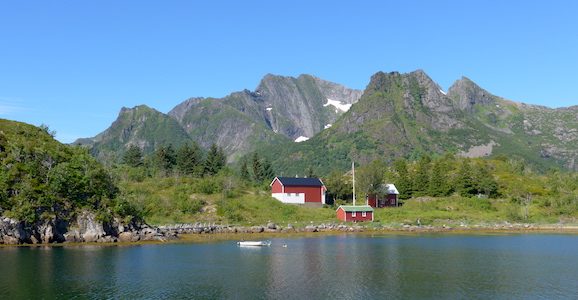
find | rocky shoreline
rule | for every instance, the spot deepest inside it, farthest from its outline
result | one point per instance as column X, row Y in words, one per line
column 86, row 229
column 180, row 229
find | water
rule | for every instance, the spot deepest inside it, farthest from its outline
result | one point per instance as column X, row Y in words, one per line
column 345, row 266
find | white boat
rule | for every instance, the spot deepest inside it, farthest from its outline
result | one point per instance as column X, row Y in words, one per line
column 254, row 243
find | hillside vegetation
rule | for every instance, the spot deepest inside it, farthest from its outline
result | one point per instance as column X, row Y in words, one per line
column 442, row 191
column 42, row 179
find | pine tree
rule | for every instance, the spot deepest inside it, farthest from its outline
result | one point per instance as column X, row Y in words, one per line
column 244, row 170
column 132, row 157
column 257, row 168
column 216, row 160
column 421, row 178
column 189, row 159
column 463, row 182
column 165, row 158
column 403, row 182
column 438, row 184
column 267, row 170
column 484, row 181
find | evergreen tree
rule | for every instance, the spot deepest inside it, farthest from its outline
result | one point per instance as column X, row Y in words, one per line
column 216, row 160
column 132, row 157
column 484, row 181
column 421, row 177
column 189, row 159
column 403, row 182
column 244, row 170
column 463, row 181
column 438, row 185
column 165, row 158
column 267, row 170
column 257, row 168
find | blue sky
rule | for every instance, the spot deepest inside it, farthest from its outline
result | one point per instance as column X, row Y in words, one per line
column 72, row 65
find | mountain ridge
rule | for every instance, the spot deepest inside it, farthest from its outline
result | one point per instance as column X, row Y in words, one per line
column 281, row 109
column 397, row 115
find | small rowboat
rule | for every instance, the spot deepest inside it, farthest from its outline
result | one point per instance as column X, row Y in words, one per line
column 254, row 243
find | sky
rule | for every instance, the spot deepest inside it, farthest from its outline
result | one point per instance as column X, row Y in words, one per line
column 72, row 65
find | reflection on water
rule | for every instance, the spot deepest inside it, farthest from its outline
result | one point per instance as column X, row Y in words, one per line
column 358, row 266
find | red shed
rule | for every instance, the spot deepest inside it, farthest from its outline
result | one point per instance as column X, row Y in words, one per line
column 355, row 213
column 387, row 197
column 298, row 190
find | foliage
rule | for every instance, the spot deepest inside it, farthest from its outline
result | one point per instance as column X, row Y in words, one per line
column 215, row 160
column 42, row 178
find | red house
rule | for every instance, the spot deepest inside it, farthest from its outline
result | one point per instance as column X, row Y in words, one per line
column 298, row 190
column 355, row 213
column 386, row 197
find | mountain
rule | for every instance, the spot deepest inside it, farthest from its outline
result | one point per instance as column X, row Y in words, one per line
column 142, row 126
column 281, row 109
column 408, row 115
column 397, row 115
column 546, row 135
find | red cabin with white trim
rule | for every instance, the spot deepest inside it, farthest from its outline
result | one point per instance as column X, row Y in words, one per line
column 349, row 213
column 298, row 190
column 387, row 197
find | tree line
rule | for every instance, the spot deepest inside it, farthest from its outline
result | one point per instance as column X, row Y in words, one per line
column 191, row 160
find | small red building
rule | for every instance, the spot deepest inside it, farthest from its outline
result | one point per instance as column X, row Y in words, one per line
column 298, row 190
column 387, row 197
column 355, row 213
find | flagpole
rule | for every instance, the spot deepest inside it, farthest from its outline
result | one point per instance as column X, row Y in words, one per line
column 353, row 171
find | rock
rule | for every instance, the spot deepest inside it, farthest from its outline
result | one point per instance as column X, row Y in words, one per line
column 271, row 225
column 311, row 228
column 72, row 236
column 257, row 229
column 46, row 233
column 125, row 237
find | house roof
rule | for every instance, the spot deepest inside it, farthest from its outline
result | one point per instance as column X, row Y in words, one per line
column 351, row 208
column 292, row 181
column 389, row 188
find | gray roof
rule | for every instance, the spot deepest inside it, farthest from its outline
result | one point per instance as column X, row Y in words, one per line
column 292, row 181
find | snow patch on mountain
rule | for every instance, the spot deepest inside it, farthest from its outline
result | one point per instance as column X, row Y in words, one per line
column 301, row 139
column 338, row 105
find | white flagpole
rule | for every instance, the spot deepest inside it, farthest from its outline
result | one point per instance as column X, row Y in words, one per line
column 353, row 172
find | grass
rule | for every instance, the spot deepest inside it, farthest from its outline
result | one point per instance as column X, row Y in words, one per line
column 178, row 200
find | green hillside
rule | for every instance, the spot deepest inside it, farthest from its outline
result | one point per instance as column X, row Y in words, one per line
column 42, row 180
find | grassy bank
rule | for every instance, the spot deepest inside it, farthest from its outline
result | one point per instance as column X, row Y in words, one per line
column 179, row 200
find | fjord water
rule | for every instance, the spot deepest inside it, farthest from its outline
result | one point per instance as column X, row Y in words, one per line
column 344, row 266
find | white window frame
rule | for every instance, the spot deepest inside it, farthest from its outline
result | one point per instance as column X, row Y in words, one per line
column 353, row 214
column 364, row 214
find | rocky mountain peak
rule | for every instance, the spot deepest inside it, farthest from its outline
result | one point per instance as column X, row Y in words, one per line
column 467, row 95
column 179, row 111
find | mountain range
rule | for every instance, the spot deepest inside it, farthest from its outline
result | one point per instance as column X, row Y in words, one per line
column 307, row 121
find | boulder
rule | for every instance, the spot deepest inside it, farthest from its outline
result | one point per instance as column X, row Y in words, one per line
column 125, row 237
column 257, row 229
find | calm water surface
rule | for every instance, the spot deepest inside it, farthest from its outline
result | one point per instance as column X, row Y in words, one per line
column 348, row 266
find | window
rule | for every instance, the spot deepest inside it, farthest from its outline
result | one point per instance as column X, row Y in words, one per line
column 353, row 214
column 364, row 214
column 392, row 201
